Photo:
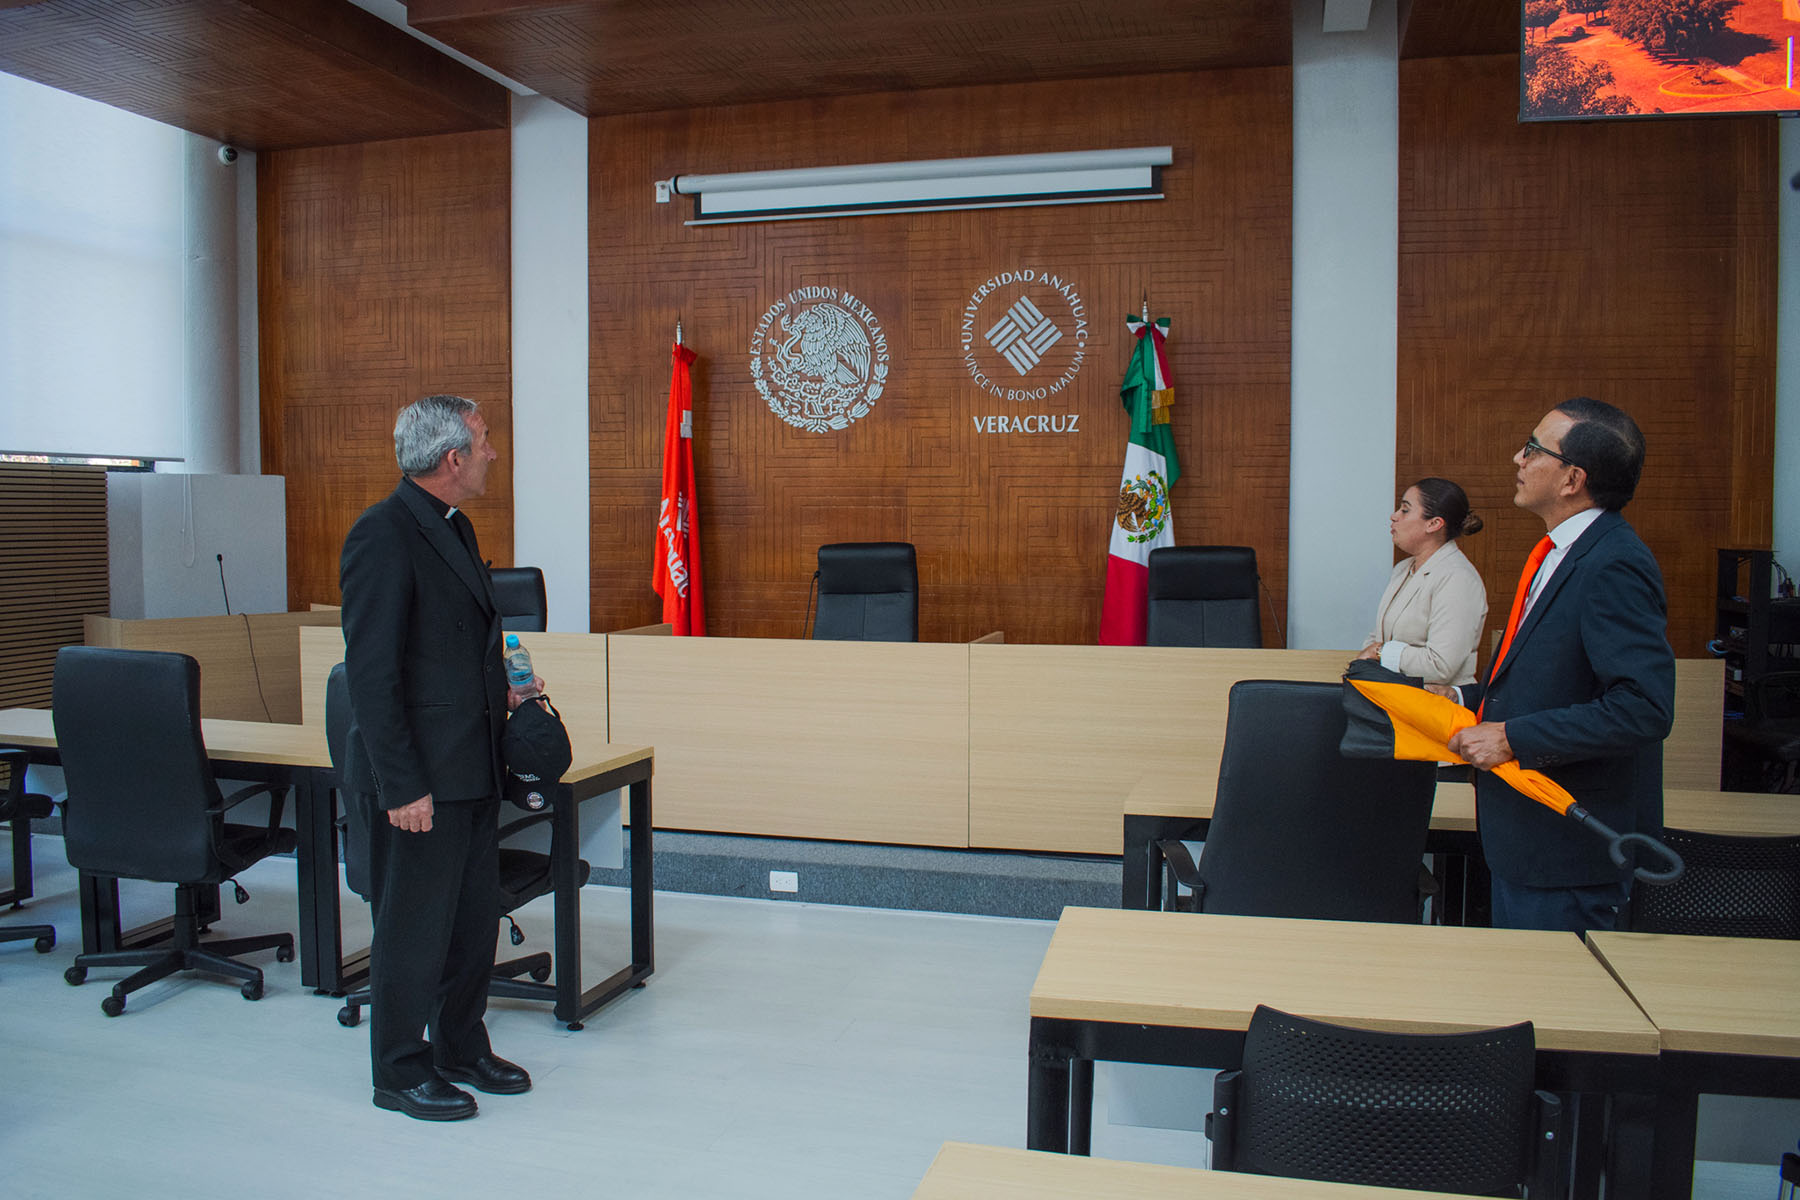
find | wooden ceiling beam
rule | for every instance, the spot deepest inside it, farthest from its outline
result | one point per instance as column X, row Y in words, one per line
column 263, row 74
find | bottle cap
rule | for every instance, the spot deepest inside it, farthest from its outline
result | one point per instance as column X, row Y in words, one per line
column 512, row 639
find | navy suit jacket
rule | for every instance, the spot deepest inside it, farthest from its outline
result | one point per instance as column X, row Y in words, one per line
column 422, row 655
column 1588, row 695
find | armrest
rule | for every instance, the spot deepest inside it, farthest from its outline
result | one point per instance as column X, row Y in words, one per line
column 277, row 802
column 1181, row 866
column 512, row 828
column 1221, row 1122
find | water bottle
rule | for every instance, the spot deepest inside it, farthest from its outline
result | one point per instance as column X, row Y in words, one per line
column 519, row 675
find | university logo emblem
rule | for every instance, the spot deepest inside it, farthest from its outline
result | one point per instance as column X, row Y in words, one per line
column 819, row 358
column 1143, row 506
column 1024, row 334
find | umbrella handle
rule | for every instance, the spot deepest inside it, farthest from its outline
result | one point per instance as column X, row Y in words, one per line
column 1618, row 844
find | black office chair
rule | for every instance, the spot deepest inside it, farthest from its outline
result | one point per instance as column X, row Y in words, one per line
column 1765, row 745
column 1204, row 596
column 1298, row 830
column 1436, row 1112
column 19, row 808
column 524, row 874
column 868, row 592
column 519, row 594
column 1733, row 887
column 143, row 804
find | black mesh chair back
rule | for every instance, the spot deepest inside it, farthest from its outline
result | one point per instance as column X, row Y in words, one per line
column 868, row 592
column 519, row 595
column 1298, row 830
column 143, row 804
column 1733, row 887
column 1437, row 1112
column 140, row 785
column 1203, row 596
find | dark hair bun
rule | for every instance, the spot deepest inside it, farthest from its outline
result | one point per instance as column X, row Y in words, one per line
column 1471, row 524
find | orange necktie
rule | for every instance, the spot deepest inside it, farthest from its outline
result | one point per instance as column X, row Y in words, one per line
column 1538, row 554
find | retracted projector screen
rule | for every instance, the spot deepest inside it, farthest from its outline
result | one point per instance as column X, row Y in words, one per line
column 91, row 278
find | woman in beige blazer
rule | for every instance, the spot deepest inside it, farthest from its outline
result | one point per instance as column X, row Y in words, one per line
column 1430, row 618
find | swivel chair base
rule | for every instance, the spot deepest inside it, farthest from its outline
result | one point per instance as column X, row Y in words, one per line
column 187, row 953
column 44, row 936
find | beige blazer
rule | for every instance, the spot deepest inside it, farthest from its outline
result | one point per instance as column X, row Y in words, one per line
column 1436, row 614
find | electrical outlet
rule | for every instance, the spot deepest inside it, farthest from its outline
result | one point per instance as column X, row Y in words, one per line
column 784, row 881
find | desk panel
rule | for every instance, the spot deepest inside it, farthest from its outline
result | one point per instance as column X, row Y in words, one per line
column 1058, row 734
column 855, row 741
column 249, row 664
column 572, row 665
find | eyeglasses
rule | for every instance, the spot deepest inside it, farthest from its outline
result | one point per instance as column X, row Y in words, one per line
column 1533, row 448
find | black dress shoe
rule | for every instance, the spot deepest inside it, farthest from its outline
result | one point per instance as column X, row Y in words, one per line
column 433, row 1100
column 490, row 1074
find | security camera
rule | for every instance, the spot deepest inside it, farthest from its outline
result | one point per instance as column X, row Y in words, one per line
column 228, row 154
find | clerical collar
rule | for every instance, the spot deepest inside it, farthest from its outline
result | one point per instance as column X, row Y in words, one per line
column 443, row 510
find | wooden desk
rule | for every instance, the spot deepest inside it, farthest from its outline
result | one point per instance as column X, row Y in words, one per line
column 1728, row 1013
column 296, row 756
column 1179, row 989
column 965, row 1172
column 1181, row 806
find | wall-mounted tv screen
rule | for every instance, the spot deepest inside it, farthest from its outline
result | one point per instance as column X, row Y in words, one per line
column 1587, row 59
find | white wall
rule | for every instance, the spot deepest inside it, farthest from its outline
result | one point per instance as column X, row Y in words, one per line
column 550, row 353
column 1346, row 273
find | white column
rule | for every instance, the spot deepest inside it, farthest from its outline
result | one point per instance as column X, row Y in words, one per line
column 1345, row 276
column 550, row 353
column 210, row 276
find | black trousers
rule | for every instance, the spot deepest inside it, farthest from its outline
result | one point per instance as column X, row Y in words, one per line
column 436, row 897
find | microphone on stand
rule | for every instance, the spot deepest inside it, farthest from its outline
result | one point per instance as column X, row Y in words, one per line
column 222, row 590
column 811, row 589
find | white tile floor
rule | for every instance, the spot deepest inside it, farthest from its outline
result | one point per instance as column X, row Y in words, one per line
column 780, row 1050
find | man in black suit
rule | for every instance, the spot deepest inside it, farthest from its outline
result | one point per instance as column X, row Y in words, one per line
column 1583, row 688
column 429, row 698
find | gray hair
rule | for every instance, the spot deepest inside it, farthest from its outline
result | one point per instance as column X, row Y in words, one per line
column 428, row 429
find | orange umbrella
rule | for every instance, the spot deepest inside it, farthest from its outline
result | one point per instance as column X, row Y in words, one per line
column 1391, row 716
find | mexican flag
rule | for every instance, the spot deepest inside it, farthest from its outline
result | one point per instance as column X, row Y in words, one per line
column 676, row 572
column 1142, row 521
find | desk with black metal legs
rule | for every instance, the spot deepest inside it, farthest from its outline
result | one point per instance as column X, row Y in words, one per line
column 1728, row 1011
column 1159, row 807
column 1179, row 989
column 281, row 756
column 296, row 756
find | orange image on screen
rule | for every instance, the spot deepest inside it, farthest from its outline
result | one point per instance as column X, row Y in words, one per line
column 1614, row 58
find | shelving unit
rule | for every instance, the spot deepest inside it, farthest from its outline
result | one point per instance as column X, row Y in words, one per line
column 1757, row 632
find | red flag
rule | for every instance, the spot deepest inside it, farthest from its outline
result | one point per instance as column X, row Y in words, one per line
column 676, row 572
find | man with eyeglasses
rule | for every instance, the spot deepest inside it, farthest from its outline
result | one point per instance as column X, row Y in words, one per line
column 1583, row 685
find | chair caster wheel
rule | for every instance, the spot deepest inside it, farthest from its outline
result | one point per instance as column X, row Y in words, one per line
column 284, row 954
column 112, row 1006
column 45, row 944
column 75, row 976
column 575, row 1025
column 349, row 1017
column 540, row 973
column 252, row 990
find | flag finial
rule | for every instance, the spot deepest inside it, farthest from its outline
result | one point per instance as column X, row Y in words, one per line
column 678, row 329
column 1145, row 310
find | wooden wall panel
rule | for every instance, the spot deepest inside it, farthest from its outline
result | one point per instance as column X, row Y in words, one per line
column 384, row 274
column 1011, row 528
column 53, row 571
column 1629, row 261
